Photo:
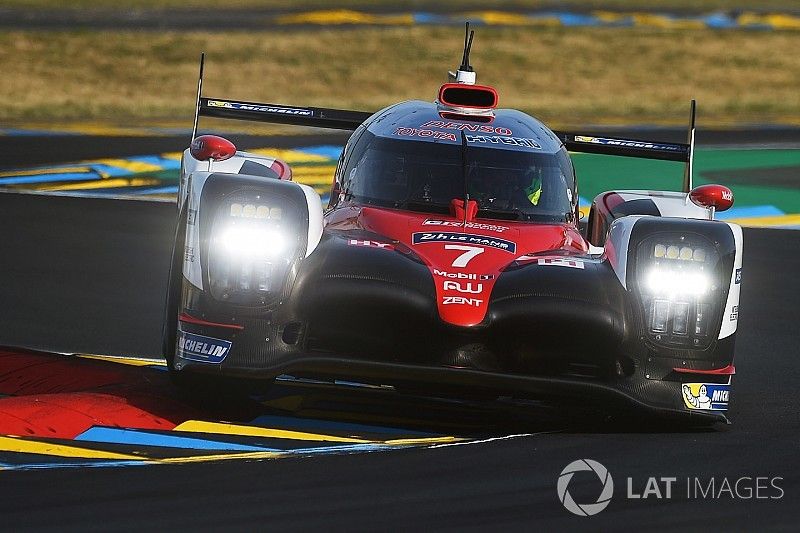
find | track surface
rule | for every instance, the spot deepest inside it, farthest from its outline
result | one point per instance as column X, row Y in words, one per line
column 88, row 275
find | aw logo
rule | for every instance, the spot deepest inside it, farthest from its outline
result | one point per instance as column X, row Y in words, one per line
column 585, row 509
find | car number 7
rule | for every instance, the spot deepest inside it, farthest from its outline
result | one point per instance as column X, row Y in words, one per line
column 469, row 253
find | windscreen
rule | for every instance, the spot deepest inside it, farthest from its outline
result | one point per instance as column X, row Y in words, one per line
column 426, row 176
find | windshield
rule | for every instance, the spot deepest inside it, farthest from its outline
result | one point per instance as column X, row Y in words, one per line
column 426, row 176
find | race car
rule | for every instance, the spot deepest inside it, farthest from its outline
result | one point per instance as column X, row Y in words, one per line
column 450, row 259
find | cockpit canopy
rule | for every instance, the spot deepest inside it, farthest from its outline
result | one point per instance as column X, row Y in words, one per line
column 417, row 175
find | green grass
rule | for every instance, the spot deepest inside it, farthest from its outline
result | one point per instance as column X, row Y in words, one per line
column 566, row 76
column 691, row 5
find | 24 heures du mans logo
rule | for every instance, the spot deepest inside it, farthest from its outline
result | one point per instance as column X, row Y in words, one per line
column 465, row 238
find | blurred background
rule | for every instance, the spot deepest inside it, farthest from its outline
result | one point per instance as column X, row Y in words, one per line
column 113, row 71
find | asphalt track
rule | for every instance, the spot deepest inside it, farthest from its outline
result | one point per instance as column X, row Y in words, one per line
column 85, row 274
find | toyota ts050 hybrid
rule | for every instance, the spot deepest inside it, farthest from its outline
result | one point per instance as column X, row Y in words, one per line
column 450, row 258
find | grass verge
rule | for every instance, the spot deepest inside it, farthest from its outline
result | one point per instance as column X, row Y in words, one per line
column 565, row 76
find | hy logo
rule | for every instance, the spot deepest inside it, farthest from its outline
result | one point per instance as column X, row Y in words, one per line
column 585, row 509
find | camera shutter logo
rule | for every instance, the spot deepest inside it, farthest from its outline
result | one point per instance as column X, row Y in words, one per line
column 585, row 509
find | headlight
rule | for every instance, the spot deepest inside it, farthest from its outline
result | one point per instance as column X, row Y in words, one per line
column 679, row 287
column 672, row 283
column 252, row 247
column 253, row 242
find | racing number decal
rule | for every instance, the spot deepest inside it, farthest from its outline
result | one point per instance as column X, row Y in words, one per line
column 469, row 253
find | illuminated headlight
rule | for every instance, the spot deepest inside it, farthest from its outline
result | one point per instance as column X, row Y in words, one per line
column 262, row 212
column 252, row 248
column 678, row 285
column 679, row 253
column 253, row 242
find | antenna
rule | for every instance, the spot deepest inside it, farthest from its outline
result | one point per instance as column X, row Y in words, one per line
column 465, row 74
column 689, row 170
column 199, row 91
column 468, row 35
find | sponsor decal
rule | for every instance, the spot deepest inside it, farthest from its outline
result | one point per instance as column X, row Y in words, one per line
column 738, row 276
column 481, row 240
column 201, row 348
column 734, row 313
column 431, row 134
column 475, row 128
column 481, row 139
column 371, row 244
column 188, row 255
column 462, row 275
column 466, row 287
column 508, row 141
column 560, row 262
column 261, row 108
column 470, row 225
column 628, row 144
column 461, row 300
column 706, row 396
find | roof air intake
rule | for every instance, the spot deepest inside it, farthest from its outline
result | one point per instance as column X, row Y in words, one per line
column 460, row 95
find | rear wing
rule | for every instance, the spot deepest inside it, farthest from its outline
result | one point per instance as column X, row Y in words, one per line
column 342, row 119
column 318, row 117
column 625, row 147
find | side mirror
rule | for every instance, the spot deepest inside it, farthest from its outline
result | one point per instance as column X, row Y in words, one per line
column 717, row 196
column 212, row 147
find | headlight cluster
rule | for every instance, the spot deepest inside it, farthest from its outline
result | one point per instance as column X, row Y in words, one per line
column 256, row 211
column 678, row 285
column 683, row 253
column 251, row 249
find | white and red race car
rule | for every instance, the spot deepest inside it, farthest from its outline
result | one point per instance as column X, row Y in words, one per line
column 450, row 258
